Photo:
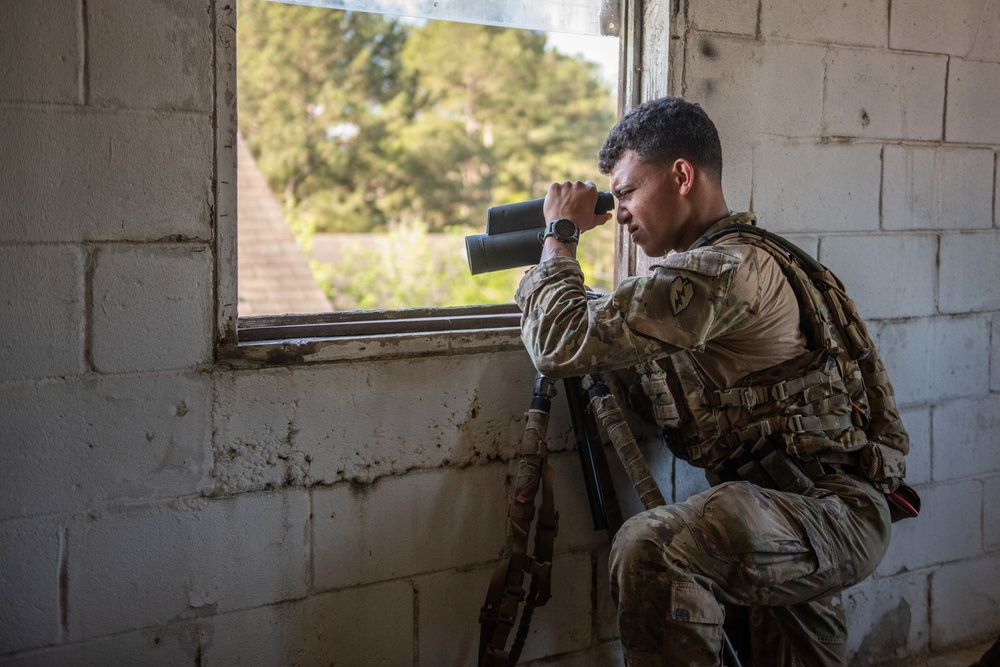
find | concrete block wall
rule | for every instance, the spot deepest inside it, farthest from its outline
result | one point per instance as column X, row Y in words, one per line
column 871, row 126
column 159, row 507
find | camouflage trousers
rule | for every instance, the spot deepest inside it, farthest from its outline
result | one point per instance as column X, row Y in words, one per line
column 785, row 555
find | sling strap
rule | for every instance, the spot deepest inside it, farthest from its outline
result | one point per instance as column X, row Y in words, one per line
column 505, row 593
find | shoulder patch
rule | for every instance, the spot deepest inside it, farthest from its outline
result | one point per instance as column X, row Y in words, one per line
column 681, row 293
column 709, row 261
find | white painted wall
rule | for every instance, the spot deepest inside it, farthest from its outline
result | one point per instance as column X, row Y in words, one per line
column 159, row 508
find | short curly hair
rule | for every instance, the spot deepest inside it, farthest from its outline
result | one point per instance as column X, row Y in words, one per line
column 662, row 130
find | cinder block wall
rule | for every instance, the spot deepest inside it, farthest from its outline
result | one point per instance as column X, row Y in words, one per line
column 868, row 131
column 157, row 507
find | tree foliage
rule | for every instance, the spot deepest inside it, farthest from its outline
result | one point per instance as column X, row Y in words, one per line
column 405, row 270
column 361, row 122
column 312, row 83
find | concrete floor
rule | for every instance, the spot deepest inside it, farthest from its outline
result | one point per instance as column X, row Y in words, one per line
column 955, row 658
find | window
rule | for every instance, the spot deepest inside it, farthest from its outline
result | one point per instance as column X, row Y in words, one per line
column 382, row 82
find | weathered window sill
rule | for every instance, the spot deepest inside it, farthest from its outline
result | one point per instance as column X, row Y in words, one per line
column 376, row 335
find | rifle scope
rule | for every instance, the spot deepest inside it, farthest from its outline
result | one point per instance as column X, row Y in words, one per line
column 511, row 237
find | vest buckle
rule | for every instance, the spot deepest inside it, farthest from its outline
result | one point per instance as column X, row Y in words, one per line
column 737, row 396
column 794, row 424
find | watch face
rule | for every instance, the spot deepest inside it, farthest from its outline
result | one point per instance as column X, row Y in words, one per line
column 564, row 227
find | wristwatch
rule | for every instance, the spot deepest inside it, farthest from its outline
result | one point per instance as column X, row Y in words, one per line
column 564, row 229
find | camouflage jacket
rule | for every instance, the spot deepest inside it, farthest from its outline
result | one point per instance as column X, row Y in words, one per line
column 747, row 349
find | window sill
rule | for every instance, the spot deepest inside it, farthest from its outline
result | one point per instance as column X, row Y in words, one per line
column 373, row 335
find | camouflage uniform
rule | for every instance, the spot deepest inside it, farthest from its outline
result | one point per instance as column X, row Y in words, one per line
column 730, row 310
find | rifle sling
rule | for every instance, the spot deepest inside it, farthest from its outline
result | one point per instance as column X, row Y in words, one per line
column 505, row 591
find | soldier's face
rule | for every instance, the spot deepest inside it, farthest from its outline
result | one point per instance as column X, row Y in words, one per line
column 649, row 204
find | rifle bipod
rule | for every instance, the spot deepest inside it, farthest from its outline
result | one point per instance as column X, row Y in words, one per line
column 505, row 592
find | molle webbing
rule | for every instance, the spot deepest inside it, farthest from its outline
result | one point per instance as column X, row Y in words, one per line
column 793, row 424
column 749, row 397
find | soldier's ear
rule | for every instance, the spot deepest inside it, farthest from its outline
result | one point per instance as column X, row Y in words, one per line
column 683, row 173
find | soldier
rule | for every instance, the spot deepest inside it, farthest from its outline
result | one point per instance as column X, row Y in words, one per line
column 752, row 374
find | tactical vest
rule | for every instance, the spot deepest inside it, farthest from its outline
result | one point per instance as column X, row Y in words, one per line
column 832, row 409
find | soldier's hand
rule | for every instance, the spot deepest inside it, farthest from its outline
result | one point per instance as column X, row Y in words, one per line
column 576, row 201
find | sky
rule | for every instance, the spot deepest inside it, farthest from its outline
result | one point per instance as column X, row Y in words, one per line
column 602, row 50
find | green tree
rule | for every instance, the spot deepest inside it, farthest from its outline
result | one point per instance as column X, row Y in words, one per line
column 358, row 120
column 312, row 84
column 500, row 117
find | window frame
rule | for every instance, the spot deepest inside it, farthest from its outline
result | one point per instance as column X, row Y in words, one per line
column 388, row 334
